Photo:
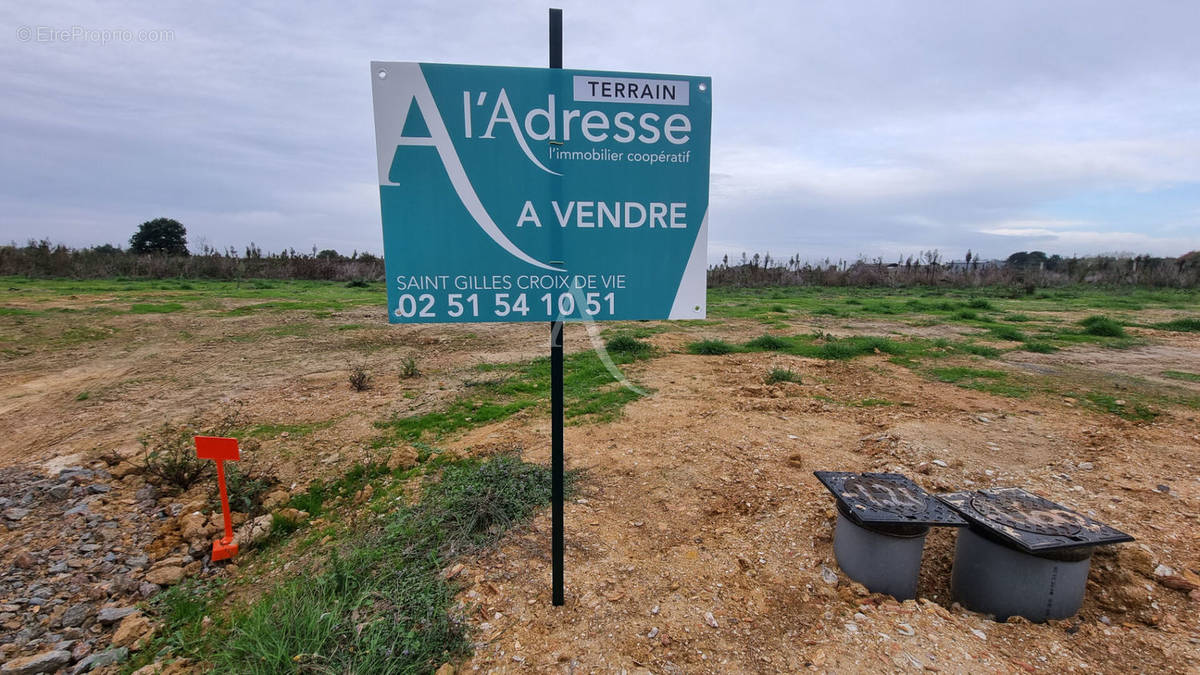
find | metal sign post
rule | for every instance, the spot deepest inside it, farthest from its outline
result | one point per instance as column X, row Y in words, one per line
column 557, row 531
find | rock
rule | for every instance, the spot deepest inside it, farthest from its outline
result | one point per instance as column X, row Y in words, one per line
column 941, row 463
column 76, row 615
column 107, row 658
column 295, row 516
column 134, row 631
column 1163, row 571
column 46, row 662
column 445, row 669
column 59, row 492
column 1087, row 466
column 123, row 469
column 652, row 634
column 24, row 560
column 1137, row 559
column 828, row 576
column 979, row 634
column 253, row 532
column 114, row 614
column 710, row 619
column 15, row 513
column 403, row 458
column 193, row 526
column 1185, row 581
column 275, row 499
column 905, row 629
column 165, row 576
column 364, row 495
column 1132, row 596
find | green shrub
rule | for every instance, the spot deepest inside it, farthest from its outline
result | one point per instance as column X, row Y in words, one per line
column 1039, row 347
column 710, row 347
column 408, row 368
column 777, row 375
column 244, row 490
column 360, row 378
column 627, row 344
column 769, row 343
column 169, row 454
column 980, row 303
column 980, row 350
column 1102, row 326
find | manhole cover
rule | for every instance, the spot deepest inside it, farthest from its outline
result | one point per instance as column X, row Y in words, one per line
column 1030, row 522
column 886, row 494
column 1027, row 512
column 885, row 499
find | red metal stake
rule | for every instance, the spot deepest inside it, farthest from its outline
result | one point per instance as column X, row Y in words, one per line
column 220, row 449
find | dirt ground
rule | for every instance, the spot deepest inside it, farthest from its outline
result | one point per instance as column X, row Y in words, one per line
column 699, row 540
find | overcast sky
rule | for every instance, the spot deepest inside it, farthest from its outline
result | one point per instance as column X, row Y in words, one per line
column 840, row 128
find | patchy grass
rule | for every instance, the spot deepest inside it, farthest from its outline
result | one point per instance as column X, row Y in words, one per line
column 769, row 343
column 1008, row 333
column 589, row 390
column 156, row 308
column 1039, row 347
column 624, row 343
column 978, row 350
column 1134, row 412
column 1181, row 375
column 711, row 348
column 1188, row 324
column 990, row 381
column 777, row 375
column 379, row 603
column 873, row 403
column 1102, row 326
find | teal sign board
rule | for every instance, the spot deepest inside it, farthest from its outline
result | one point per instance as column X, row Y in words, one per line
column 531, row 194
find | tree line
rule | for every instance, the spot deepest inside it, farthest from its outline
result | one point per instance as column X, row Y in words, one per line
column 1024, row 269
column 158, row 250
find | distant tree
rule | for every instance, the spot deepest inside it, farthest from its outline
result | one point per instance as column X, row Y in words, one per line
column 1018, row 259
column 106, row 249
column 329, row 254
column 161, row 235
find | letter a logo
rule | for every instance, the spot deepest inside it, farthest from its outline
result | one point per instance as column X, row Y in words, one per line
column 405, row 89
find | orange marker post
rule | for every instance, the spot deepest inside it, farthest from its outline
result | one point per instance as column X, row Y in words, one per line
column 220, row 449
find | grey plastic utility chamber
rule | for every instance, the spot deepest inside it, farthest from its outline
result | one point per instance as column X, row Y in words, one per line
column 1019, row 554
column 1022, row 555
column 881, row 526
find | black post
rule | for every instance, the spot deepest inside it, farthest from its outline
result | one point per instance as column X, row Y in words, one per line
column 556, row 387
